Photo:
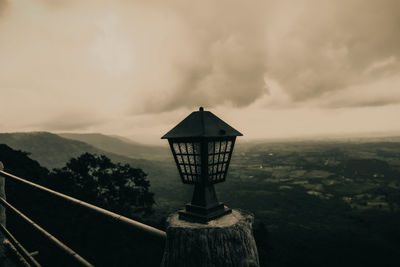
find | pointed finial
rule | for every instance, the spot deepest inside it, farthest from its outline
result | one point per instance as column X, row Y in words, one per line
column 201, row 109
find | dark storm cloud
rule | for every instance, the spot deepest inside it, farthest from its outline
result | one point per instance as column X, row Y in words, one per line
column 226, row 61
column 310, row 48
column 335, row 45
column 230, row 72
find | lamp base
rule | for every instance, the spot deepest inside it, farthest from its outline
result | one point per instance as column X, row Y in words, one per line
column 199, row 214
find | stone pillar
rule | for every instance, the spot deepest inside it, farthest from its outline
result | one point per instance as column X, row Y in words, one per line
column 227, row 241
column 2, row 211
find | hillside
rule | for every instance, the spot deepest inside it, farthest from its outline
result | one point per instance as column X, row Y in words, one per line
column 48, row 149
column 53, row 151
column 121, row 146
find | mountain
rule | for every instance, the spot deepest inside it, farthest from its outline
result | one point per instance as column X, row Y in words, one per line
column 53, row 151
column 122, row 146
column 48, row 149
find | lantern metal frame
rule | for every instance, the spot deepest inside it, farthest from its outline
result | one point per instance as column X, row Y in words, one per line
column 199, row 162
column 191, row 167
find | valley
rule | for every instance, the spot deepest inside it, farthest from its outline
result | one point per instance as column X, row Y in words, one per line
column 312, row 200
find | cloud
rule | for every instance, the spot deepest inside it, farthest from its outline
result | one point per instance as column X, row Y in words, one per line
column 161, row 57
column 331, row 46
column 375, row 94
column 118, row 59
column 311, row 49
column 3, row 5
column 382, row 92
column 229, row 73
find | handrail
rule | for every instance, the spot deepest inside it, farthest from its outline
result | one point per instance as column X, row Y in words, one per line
column 116, row 217
column 25, row 254
column 46, row 234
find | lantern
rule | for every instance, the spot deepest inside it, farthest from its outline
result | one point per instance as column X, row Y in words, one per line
column 202, row 146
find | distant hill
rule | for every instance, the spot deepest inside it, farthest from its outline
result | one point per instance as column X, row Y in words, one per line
column 53, row 151
column 48, row 149
column 122, row 146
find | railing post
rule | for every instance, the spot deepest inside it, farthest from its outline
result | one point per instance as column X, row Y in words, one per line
column 2, row 210
column 227, row 241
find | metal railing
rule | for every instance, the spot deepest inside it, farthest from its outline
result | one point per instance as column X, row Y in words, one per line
column 25, row 254
column 117, row 218
column 76, row 257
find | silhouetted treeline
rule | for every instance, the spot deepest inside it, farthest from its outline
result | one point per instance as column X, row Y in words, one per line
column 97, row 180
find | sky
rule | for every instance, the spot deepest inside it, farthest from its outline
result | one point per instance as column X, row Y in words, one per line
column 271, row 68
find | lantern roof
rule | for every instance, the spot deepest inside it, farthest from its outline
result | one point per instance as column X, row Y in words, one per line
column 201, row 124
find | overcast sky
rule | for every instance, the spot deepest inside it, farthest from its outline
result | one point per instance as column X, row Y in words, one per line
column 136, row 68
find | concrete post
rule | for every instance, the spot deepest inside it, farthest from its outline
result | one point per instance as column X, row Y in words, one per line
column 227, row 241
column 2, row 211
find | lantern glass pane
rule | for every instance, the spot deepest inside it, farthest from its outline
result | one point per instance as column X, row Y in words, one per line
column 215, row 160
column 182, row 147
column 183, row 170
column 210, row 148
column 229, row 146
column 196, row 148
column 226, row 159
column 210, row 159
column 218, row 158
column 189, row 147
column 188, row 160
column 217, row 147
column 179, row 157
column 215, row 169
column 224, row 167
column 176, row 148
column 197, row 159
column 192, row 159
column 223, row 146
column 210, row 170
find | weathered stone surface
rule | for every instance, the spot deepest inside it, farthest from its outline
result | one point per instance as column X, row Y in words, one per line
column 227, row 241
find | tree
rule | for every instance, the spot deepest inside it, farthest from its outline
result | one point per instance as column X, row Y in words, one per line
column 97, row 180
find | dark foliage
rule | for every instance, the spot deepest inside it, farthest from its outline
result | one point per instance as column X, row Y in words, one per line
column 94, row 179
column 18, row 163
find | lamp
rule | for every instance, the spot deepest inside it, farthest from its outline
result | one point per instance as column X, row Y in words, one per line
column 202, row 146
